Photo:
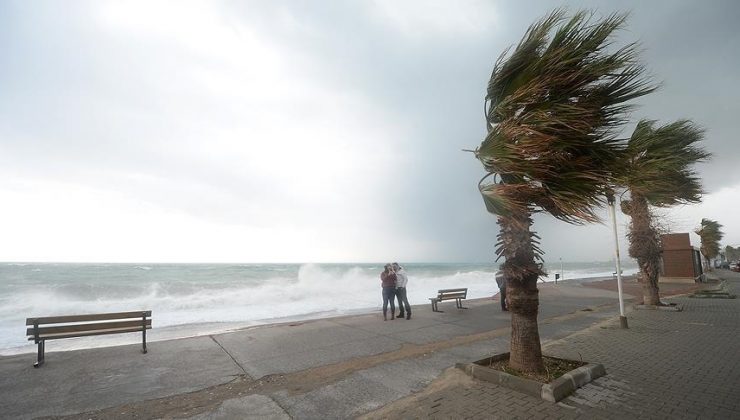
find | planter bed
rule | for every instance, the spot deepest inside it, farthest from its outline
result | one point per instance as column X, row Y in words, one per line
column 554, row 391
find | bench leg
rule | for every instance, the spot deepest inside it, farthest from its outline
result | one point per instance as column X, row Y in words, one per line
column 40, row 355
column 435, row 308
column 459, row 304
column 143, row 336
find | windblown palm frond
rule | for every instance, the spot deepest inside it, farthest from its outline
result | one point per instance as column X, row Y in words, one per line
column 552, row 105
column 658, row 163
column 711, row 233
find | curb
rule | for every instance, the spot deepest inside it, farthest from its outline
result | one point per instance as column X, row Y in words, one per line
column 566, row 384
column 553, row 391
column 671, row 308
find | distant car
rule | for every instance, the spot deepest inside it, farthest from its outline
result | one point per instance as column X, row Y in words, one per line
column 735, row 266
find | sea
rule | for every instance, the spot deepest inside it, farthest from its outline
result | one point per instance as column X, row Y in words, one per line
column 199, row 299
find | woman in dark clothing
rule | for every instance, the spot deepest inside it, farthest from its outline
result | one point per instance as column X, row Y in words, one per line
column 388, row 282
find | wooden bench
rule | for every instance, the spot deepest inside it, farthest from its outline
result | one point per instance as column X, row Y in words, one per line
column 55, row 327
column 449, row 294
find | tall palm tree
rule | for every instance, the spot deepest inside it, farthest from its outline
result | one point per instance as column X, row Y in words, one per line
column 657, row 171
column 710, row 233
column 551, row 107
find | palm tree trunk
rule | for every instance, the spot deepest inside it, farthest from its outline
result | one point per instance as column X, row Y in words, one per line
column 521, row 273
column 645, row 247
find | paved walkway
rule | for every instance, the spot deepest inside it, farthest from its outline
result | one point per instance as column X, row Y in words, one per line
column 359, row 365
column 666, row 365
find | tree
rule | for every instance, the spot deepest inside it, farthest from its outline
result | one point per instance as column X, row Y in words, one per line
column 551, row 107
column 710, row 233
column 657, row 171
column 732, row 254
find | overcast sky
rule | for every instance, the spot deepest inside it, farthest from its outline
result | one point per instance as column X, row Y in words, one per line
column 304, row 131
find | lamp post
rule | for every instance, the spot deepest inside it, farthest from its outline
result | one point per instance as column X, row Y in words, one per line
column 561, row 269
column 622, row 318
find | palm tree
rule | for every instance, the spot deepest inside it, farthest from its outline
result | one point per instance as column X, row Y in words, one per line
column 710, row 233
column 656, row 170
column 551, row 107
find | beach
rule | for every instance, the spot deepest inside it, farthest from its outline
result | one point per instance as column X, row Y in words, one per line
column 338, row 367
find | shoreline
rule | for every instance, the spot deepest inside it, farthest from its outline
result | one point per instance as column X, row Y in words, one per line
column 175, row 332
column 200, row 329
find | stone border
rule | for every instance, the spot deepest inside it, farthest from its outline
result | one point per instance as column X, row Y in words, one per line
column 553, row 391
column 713, row 295
column 718, row 292
column 672, row 307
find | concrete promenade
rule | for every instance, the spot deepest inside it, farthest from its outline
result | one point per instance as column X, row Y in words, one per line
column 667, row 365
column 359, row 365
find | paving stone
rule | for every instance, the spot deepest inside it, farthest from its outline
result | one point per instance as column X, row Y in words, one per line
column 677, row 365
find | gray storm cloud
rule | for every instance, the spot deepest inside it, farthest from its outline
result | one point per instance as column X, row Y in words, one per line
column 341, row 122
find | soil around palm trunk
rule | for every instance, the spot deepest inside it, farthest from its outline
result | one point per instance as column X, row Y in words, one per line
column 554, row 368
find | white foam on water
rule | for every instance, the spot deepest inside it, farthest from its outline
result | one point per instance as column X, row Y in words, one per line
column 186, row 308
column 586, row 274
column 208, row 299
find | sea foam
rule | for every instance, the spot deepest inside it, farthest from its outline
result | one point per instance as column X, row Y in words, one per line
column 308, row 290
column 195, row 299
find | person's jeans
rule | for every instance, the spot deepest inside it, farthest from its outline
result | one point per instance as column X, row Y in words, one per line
column 389, row 295
column 403, row 300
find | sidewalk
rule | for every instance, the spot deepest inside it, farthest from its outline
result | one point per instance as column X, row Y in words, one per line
column 331, row 368
column 666, row 365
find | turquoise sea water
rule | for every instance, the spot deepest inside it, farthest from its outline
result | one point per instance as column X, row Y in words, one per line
column 192, row 299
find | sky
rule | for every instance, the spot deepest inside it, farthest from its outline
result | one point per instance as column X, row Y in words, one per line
column 305, row 131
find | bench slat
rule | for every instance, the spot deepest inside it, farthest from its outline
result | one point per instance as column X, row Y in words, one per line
column 88, row 317
column 462, row 289
column 449, row 297
column 87, row 333
column 89, row 327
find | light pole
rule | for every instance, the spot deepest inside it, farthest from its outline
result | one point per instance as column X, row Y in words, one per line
column 561, row 269
column 622, row 318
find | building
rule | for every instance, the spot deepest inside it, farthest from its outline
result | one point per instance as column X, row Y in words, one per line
column 681, row 261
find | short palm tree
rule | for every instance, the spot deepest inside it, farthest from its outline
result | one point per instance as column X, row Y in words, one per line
column 710, row 233
column 551, row 106
column 657, row 171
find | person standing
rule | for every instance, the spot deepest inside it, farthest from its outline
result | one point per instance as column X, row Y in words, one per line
column 401, row 281
column 501, row 282
column 388, row 283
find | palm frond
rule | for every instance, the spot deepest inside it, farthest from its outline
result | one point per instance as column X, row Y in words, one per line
column 552, row 105
column 710, row 233
column 658, row 162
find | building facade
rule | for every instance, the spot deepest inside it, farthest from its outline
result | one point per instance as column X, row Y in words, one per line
column 681, row 261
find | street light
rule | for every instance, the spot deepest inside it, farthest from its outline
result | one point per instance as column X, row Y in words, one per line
column 622, row 318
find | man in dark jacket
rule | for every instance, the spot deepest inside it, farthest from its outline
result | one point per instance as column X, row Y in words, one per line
column 501, row 281
column 403, row 300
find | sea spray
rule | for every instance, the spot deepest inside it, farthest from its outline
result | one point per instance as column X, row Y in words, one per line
column 192, row 299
